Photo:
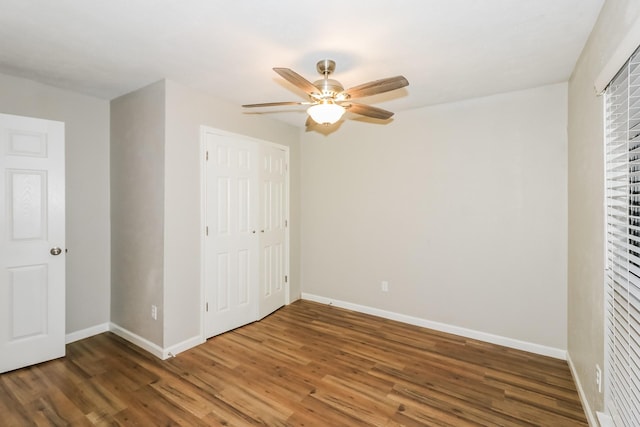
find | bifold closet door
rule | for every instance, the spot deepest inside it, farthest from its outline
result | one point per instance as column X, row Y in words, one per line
column 273, row 209
column 245, row 250
column 231, row 249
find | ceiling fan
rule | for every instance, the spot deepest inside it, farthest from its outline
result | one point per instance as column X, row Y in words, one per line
column 328, row 100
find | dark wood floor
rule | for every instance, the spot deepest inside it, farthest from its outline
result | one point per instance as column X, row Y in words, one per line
column 305, row 365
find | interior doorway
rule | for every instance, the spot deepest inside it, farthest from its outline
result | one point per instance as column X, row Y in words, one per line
column 32, row 241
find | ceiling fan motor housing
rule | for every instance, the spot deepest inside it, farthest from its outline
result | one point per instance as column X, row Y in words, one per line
column 328, row 87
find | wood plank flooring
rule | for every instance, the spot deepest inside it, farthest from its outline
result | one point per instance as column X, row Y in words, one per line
column 305, row 365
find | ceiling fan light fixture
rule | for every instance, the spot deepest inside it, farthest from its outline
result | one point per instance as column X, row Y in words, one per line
column 327, row 95
column 326, row 113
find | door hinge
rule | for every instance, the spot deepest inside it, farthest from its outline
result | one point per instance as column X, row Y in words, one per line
column 206, row 308
column 286, row 223
column 286, row 278
column 206, row 230
column 206, row 155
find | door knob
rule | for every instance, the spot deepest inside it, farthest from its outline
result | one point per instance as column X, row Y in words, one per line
column 55, row 251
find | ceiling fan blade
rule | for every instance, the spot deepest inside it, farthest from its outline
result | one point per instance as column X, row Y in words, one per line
column 276, row 104
column 296, row 79
column 377, row 86
column 368, row 110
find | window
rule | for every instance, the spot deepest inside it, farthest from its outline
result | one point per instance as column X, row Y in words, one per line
column 622, row 127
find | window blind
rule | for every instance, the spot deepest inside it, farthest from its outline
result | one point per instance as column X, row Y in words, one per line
column 622, row 297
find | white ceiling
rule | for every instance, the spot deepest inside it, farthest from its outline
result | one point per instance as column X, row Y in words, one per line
column 447, row 49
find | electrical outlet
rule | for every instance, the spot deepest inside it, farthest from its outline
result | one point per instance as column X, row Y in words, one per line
column 384, row 286
column 154, row 312
column 599, row 378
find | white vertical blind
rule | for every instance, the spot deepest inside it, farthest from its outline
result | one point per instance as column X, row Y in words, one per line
column 622, row 121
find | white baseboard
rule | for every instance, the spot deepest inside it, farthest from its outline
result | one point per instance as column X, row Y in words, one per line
column 605, row 420
column 443, row 327
column 143, row 343
column 86, row 333
column 156, row 350
column 183, row 346
column 585, row 403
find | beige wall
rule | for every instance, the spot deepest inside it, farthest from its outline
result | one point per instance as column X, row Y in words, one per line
column 461, row 207
column 187, row 110
column 137, row 211
column 586, row 198
column 87, row 191
column 155, row 159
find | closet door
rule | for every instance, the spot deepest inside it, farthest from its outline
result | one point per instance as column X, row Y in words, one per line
column 245, row 250
column 231, row 242
column 273, row 217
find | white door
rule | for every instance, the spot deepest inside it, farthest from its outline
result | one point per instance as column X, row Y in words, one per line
column 231, row 244
column 273, row 217
column 32, row 241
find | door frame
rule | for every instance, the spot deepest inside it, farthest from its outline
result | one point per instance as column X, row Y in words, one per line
column 204, row 130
